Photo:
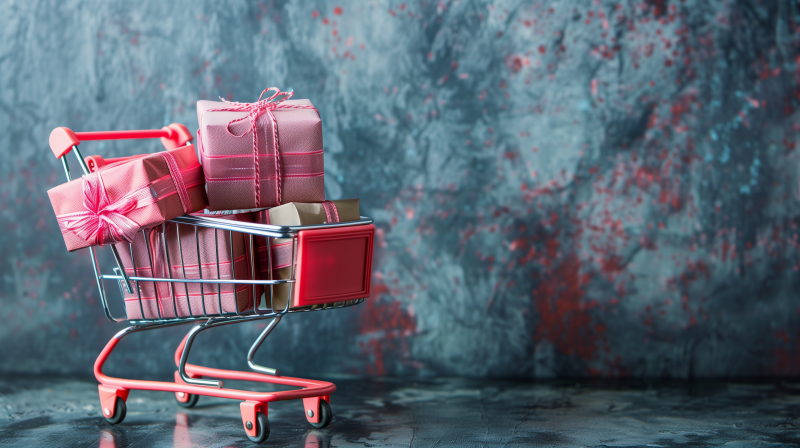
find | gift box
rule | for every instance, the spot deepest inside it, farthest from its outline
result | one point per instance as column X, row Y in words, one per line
column 185, row 262
column 154, row 296
column 113, row 203
column 261, row 154
column 293, row 214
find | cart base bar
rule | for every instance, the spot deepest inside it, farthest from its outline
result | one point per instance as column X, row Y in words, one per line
column 112, row 389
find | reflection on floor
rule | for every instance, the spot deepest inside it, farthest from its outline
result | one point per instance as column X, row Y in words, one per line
column 424, row 412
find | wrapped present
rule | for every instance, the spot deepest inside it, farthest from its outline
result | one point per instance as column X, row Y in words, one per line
column 113, row 203
column 181, row 255
column 261, row 154
column 293, row 214
column 151, row 298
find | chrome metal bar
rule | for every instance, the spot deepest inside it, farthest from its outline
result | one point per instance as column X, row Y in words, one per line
column 263, row 229
column 194, row 280
column 65, row 164
column 183, row 269
column 231, row 319
column 100, row 286
column 256, row 300
column 291, row 276
column 121, row 269
column 200, row 271
column 169, row 268
column 224, row 224
column 138, row 287
column 269, row 268
column 81, row 162
column 226, row 319
column 219, row 276
column 153, row 271
column 185, row 356
column 145, row 325
column 128, row 330
column 257, row 343
column 141, row 325
column 233, row 269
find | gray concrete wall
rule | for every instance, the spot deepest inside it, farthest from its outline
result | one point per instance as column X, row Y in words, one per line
column 565, row 188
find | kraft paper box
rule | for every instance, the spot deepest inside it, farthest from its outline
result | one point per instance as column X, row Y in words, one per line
column 257, row 155
column 114, row 203
column 294, row 214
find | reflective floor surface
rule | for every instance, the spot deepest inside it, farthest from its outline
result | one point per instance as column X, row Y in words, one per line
column 425, row 413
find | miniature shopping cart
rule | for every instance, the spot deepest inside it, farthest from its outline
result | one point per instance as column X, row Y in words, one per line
column 331, row 265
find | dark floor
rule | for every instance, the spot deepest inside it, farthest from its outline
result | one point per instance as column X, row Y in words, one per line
column 442, row 412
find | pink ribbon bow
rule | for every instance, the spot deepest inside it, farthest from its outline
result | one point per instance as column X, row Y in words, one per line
column 102, row 220
column 266, row 105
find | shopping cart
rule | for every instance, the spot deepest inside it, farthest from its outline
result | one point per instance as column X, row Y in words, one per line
column 331, row 269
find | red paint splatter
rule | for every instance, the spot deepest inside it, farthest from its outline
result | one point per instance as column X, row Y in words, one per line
column 612, row 264
column 337, row 10
column 658, row 7
column 514, row 63
column 565, row 320
column 787, row 360
column 387, row 323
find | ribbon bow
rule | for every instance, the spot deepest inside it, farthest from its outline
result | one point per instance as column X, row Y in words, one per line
column 255, row 110
column 102, row 221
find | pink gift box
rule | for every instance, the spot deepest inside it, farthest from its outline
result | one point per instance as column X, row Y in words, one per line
column 183, row 261
column 112, row 204
column 261, row 154
column 154, row 295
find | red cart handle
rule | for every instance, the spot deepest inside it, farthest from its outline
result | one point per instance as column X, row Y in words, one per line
column 63, row 139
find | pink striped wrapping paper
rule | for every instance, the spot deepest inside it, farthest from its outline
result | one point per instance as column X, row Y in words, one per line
column 186, row 262
column 112, row 204
column 261, row 154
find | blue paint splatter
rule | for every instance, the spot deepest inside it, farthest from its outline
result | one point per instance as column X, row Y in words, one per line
column 726, row 155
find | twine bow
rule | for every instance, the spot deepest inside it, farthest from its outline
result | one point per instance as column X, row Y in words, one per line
column 265, row 106
column 102, row 220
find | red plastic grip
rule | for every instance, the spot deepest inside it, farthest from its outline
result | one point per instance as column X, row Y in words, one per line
column 95, row 163
column 63, row 139
column 179, row 136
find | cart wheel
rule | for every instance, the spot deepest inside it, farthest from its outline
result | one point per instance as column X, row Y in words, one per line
column 119, row 412
column 188, row 403
column 325, row 415
column 263, row 428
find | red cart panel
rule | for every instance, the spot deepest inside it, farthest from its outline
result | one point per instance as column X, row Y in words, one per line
column 333, row 265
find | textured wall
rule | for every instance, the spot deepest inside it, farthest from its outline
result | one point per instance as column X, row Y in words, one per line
column 565, row 188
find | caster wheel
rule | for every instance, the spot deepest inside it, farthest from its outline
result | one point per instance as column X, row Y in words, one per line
column 188, row 403
column 119, row 412
column 325, row 415
column 263, row 429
